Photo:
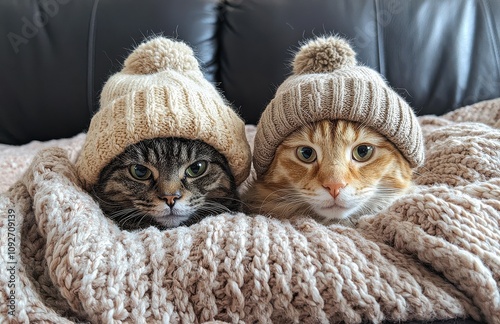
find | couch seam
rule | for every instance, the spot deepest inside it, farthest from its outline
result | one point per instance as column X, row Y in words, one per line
column 91, row 58
column 379, row 45
column 491, row 32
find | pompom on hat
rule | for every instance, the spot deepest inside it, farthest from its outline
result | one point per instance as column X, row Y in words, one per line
column 161, row 92
column 328, row 84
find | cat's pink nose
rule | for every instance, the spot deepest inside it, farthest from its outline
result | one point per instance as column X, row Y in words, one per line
column 334, row 187
column 170, row 199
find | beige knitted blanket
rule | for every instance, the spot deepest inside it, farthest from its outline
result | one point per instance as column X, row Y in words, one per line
column 434, row 254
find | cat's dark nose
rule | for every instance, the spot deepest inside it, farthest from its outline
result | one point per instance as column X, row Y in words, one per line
column 334, row 187
column 170, row 199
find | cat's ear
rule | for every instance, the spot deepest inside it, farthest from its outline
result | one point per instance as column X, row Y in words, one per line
column 324, row 55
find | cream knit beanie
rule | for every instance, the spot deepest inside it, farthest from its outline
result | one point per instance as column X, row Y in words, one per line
column 327, row 83
column 161, row 92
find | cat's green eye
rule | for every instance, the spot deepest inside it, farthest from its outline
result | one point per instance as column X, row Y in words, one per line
column 140, row 172
column 196, row 169
column 362, row 152
column 306, row 154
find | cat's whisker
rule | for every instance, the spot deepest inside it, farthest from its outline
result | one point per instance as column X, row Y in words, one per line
column 286, row 204
column 214, row 207
column 131, row 217
column 112, row 205
column 269, row 206
column 214, row 210
column 141, row 220
column 120, row 212
column 375, row 206
column 307, row 211
column 109, row 203
column 222, row 209
column 280, row 200
column 237, row 200
column 386, row 194
column 124, row 213
column 277, row 192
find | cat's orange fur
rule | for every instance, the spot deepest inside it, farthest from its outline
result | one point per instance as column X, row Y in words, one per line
column 335, row 187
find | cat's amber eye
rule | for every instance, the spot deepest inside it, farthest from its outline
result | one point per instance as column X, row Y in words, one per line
column 140, row 172
column 362, row 152
column 306, row 154
column 196, row 169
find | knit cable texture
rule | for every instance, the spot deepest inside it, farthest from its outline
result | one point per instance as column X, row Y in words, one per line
column 433, row 254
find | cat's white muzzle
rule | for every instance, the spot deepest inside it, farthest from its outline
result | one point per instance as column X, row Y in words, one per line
column 172, row 217
column 343, row 206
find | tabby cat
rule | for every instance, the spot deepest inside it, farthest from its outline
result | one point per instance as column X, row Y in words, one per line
column 333, row 171
column 166, row 182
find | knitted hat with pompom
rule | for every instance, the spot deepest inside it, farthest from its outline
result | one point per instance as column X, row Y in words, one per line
column 328, row 84
column 161, row 92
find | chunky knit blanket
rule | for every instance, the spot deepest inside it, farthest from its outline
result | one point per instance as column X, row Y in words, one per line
column 433, row 254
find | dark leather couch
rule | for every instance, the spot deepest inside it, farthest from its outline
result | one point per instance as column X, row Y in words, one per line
column 57, row 54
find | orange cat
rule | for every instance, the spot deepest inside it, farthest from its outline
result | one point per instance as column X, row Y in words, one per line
column 333, row 171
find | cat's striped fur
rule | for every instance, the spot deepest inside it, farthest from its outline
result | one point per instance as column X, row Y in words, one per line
column 170, row 196
column 335, row 187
